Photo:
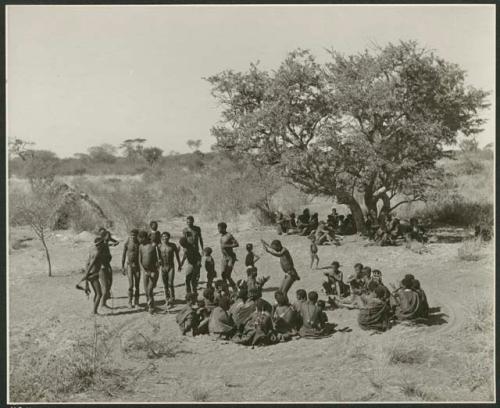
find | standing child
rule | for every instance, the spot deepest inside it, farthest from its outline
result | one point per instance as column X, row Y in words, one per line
column 250, row 259
column 209, row 263
column 314, row 251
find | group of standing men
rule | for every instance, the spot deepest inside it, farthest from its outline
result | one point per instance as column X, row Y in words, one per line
column 151, row 254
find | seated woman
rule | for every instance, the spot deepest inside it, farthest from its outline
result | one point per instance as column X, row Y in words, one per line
column 208, row 297
column 407, row 301
column 259, row 328
column 220, row 323
column 241, row 310
column 313, row 224
column 424, row 306
column 187, row 318
column 324, row 235
column 303, row 221
column 284, row 317
column 376, row 313
column 282, row 224
column 312, row 317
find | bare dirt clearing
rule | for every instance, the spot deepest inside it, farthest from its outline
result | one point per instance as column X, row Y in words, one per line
column 451, row 358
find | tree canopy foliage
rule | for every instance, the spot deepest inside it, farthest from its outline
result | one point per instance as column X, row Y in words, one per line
column 372, row 124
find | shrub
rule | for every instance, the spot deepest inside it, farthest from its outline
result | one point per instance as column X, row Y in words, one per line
column 455, row 210
column 470, row 165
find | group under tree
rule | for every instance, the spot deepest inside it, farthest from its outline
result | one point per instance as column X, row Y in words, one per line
column 361, row 128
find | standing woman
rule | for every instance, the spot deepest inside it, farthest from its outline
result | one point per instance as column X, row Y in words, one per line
column 94, row 264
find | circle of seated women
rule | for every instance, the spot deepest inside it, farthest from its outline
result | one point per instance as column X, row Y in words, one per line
column 244, row 317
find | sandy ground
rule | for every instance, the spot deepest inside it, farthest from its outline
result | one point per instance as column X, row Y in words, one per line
column 455, row 361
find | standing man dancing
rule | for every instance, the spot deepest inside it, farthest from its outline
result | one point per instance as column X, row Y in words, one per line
column 227, row 244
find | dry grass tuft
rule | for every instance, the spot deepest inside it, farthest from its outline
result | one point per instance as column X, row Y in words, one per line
column 480, row 318
column 411, row 390
column 45, row 376
column 402, row 354
column 200, row 395
column 477, row 371
column 139, row 346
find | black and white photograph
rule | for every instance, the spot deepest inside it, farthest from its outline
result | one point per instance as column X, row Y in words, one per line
column 250, row 203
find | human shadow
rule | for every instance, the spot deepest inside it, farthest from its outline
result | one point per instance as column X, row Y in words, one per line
column 270, row 289
column 346, row 329
column 448, row 239
column 435, row 318
column 126, row 311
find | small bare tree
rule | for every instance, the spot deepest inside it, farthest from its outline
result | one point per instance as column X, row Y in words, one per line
column 20, row 148
column 37, row 209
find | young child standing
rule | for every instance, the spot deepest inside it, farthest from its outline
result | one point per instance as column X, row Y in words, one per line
column 251, row 259
column 209, row 263
column 314, row 251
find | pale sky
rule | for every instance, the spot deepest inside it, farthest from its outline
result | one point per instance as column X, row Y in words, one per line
column 80, row 76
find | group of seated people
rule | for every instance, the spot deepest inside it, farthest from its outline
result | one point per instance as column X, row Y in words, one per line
column 245, row 318
column 324, row 231
column 387, row 229
column 364, row 290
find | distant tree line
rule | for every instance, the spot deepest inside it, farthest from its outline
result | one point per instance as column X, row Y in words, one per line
column 131, row 156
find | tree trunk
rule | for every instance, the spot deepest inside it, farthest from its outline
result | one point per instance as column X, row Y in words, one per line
column 357, row 214
column 386, row 207
column 370, row 202
column 48, row 256
column 355, row 208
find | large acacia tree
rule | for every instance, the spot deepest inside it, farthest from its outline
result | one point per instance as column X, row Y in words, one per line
column 362, row 128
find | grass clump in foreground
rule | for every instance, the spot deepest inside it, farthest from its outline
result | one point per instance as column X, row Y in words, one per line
column 401, row 354
column 411, row 390
column 480, row 318
column 200, row 395
column 140, row 346
column 42, row 376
